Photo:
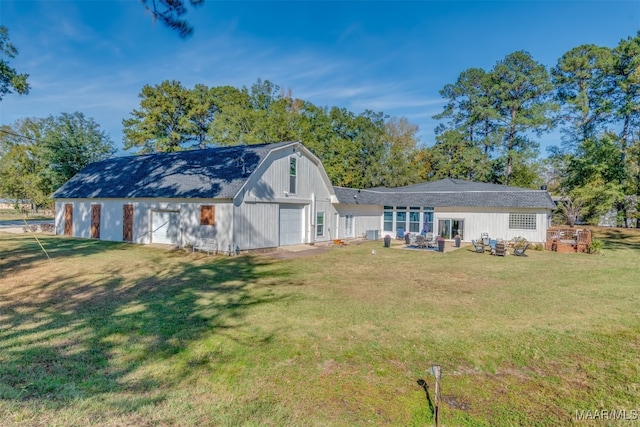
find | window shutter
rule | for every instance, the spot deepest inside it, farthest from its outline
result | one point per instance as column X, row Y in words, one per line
column 207, row 215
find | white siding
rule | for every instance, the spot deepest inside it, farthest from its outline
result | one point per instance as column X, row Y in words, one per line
column 366, row 217
column 256, row 209
column 255, row 225
column 493, row 221
column 111, row 219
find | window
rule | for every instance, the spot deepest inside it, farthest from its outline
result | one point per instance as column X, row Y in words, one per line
column 401, row 220
column 388, row 219
column 207, row 215
column 414, row 222
column 522, row 221
column 319, row 224
column 293, row 173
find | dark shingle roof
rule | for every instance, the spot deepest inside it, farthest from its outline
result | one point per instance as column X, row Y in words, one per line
column 449, row 193
column 208, row 173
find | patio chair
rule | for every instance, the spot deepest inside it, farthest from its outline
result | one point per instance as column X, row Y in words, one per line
column 521, row 251
column 478, row 248
column 431, row 240
column 400, row 234
column 421, row 241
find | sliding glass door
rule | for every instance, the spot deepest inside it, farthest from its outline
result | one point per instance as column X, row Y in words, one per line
column 450, row 228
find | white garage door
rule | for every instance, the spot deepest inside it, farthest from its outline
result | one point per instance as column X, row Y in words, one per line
column 290, row 225
column 165, row 227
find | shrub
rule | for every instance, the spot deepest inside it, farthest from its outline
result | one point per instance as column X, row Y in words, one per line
column 519, row 242
column 596, row 247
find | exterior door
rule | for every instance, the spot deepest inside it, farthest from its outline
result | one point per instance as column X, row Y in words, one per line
column 95, row 221
column 290, row 225
column 127, row 223
column 165, row 227
column 348, row 225
column 68, row 220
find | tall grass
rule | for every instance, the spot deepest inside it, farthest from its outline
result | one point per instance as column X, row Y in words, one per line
column 117, row 334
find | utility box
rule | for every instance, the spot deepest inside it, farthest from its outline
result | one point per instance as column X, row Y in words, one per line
column 372, row 234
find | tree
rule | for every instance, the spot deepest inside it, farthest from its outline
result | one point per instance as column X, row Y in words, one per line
column 401, row 153
column 584, row 84
column 10, row 80
column 170, row 13
column 521, row 92
column 595, row 175
column 162, row 123
column 201, row 111
column 21, row 163
column 69, row 143
column 454, row 156
column 39, row 155
column 470, row 109
column 627, row 80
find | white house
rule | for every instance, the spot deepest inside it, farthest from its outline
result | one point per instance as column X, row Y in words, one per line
column 244, row 197
column 451, row 207
column 269, row 195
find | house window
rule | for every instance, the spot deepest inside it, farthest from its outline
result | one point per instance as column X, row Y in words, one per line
column 388, row 218
column 293, row 173
column 207, row 215
column 522, row 221
column 414, row 220
column 401, row 219
column 320, row 224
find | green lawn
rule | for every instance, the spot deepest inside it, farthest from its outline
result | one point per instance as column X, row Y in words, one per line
column 14, row 214
column 115, row 334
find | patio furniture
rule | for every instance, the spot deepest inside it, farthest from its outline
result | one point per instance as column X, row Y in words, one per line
column 400, row 233
column 501, row 249
column 478, row 248
column 421, row 241
column 431, row 240
column 521, row 251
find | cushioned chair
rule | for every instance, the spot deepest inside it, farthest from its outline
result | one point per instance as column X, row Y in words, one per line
column 400, row 234
column 431, row 240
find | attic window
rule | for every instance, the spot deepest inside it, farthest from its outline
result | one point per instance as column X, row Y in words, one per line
column 207, row 215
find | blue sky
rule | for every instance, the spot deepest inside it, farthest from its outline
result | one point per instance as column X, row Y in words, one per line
column 95, row 56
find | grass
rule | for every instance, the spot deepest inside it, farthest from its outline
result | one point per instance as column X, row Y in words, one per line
column 15, row 214
column 115, row 334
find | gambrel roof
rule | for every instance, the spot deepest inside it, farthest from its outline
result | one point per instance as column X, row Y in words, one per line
column 208, row 173
column 449, row 193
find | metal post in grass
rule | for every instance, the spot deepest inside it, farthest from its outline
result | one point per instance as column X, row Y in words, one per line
column 436, row 372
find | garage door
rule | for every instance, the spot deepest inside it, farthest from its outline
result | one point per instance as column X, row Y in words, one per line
column 290, row 225
column 165, row 227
